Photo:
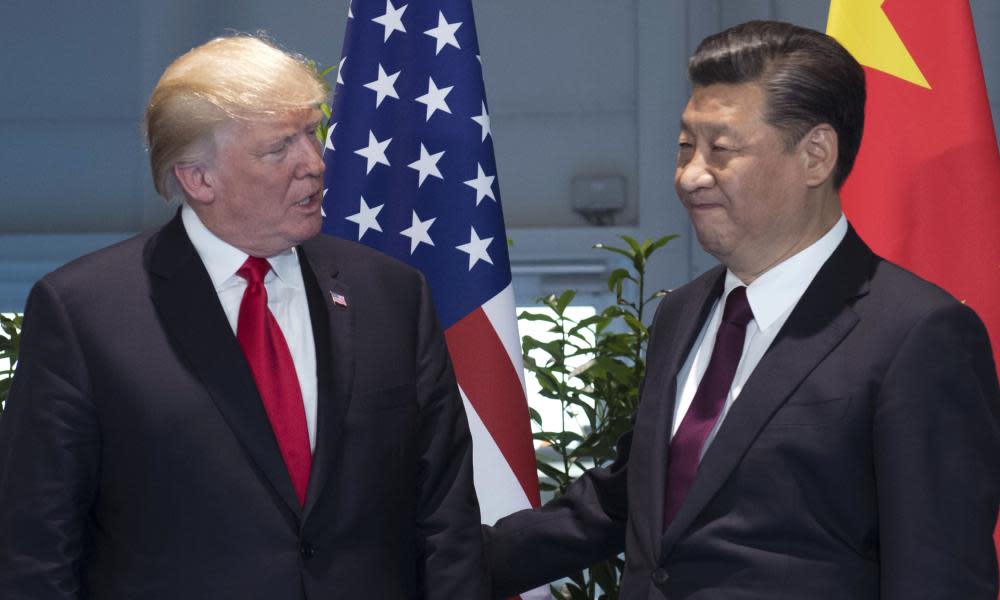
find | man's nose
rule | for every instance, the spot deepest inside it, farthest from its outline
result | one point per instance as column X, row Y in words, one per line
column 310, row 157
column 694, row 175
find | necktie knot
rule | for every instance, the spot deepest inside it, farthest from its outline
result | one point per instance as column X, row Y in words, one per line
column 737, row 311
column 254, row 269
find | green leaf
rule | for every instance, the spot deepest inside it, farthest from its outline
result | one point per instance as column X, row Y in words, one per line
column 622, row 372
column 550, row 471
column 567, row 437
column 657, row 294
column 634, row 245
column 635, row 324
column 649, row 247
column 616, row 277
column 547, row 380
column 614, row 249
column 564, row 299
column 529, row 316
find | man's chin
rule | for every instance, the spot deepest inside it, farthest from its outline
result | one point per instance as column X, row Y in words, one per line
column 713, row 244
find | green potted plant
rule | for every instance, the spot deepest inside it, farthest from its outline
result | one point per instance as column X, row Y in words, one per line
column 601, row 393
column 10, row 343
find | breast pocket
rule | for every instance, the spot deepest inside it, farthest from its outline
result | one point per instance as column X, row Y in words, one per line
column 814, row 411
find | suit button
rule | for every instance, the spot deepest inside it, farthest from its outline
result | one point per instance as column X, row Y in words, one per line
column 307, row 550
column 660, row 576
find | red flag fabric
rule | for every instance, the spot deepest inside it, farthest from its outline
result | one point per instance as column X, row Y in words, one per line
column 925, row 191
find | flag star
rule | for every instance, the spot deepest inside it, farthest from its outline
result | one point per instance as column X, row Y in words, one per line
column 322, row 209
column 384, row 86
column 329, row 136
column 374, row 152
column 434, row 98
column 366, row 218
column 419, row 232
column 340, row 71
column 866, row 31
column 427, row 165
column 444, row 33
column 482, row 184
column 392, row 20
column 350, row 10
column 476, row 249
column 484, row 121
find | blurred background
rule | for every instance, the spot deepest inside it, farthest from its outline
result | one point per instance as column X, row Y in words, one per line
column 584, row 97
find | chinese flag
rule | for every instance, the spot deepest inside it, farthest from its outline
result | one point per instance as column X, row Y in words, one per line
column 925, row 191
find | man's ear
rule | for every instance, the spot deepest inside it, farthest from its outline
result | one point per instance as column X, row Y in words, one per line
column 819, row 148
column 197, row 181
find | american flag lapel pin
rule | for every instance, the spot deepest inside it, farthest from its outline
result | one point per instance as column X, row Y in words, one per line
column 338, row 299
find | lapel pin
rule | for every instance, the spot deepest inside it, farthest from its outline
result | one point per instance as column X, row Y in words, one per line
column 338, row 299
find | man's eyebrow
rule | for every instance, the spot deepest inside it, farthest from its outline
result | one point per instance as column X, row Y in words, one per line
column 710, row 129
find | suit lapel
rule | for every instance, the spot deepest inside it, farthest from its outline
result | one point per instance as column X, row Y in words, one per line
column 332, row 310
column 820, row 320
column 675, row 334
column 193, row 318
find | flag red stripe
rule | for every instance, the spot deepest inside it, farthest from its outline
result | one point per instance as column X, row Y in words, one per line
column 485, row 372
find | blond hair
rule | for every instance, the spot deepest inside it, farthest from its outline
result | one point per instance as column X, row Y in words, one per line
column 229, row 79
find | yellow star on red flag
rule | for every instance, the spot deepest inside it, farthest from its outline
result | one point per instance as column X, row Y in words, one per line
column 867, row 33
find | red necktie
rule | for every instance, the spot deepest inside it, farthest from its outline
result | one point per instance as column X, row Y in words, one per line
column 274, row 373
column 685, row 448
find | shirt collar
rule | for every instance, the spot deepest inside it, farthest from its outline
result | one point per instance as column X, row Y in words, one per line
column 779, row 288
column 222, row 259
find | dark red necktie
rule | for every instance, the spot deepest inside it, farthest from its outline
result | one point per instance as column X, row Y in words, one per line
column 685, row 448
column 274, row 373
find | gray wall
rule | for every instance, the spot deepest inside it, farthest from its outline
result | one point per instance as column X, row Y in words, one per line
column 587, row 88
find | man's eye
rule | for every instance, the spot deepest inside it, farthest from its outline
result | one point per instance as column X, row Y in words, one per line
column 718, row 148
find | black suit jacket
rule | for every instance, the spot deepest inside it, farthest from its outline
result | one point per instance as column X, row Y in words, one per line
column 860, row 461
column 136, row 460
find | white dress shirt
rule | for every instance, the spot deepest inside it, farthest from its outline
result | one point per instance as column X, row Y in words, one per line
column 286, row 298
column 772, row 296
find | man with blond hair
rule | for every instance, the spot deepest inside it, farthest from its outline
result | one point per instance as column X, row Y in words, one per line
column 233, row 406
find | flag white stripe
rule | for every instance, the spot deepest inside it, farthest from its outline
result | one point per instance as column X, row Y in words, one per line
column 499, row 491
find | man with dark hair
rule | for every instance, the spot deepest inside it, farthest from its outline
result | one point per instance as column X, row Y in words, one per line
column 231, row 406
column 815, row 421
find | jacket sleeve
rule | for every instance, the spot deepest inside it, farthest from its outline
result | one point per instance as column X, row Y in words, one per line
column 937, row 462
column 49, row 458
column 583, row 526
column 448, row 519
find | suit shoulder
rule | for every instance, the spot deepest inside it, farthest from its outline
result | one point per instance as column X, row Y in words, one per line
column 353, row 258
column 909, row 293
column 102, row 267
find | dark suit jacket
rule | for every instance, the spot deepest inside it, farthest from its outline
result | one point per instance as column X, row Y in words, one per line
column 860, row 461
column 136, row 460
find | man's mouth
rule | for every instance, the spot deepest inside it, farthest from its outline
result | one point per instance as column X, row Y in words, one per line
column 316, row 196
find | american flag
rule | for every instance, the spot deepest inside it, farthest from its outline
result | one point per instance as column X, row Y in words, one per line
column 411, row 172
